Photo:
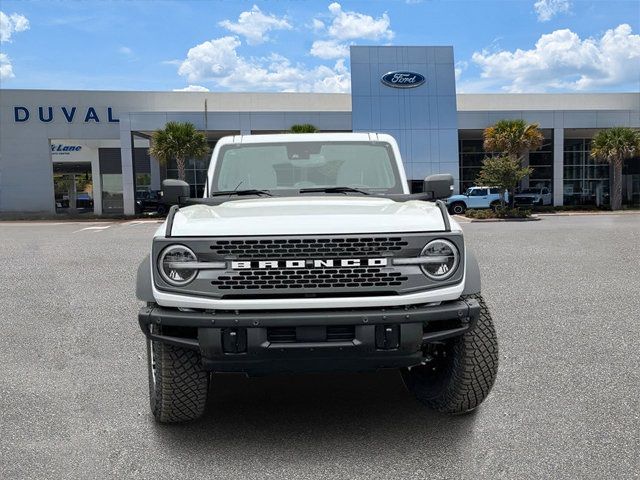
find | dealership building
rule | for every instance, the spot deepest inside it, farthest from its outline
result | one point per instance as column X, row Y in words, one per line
column 87, row 151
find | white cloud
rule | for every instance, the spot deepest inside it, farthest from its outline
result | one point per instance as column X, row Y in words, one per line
column 125, row 51
column 219, row 62
column 547, row 9
column 6, row 69
column 10, row 24
column 317, row 25
column 352, row 25
column 192, row 88
column 460, row 67
column 254, row 25
column 563, row 61
column 329, row 49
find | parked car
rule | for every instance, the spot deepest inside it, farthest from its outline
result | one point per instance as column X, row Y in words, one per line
column 533, row 196
column 150, row 201
column 475, row 197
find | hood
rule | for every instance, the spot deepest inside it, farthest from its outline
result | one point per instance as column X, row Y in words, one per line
column 307, row 216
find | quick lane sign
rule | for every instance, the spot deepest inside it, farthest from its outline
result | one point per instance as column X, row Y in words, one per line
column 47, row 114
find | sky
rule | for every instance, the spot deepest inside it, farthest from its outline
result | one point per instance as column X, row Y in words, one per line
column 303, row 45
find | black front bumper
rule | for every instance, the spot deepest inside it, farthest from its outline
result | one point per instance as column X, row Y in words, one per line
column 259, row 342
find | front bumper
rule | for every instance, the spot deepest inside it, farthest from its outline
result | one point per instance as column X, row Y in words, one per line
column 265, row 342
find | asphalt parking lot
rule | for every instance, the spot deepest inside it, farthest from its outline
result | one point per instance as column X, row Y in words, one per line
column 564, row 293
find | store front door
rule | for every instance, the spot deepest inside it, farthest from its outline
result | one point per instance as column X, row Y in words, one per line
column 73, row 187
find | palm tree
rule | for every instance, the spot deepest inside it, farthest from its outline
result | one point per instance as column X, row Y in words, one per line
column 303, row 128
column 515, row 139
column 614, row 146
column 179, row 141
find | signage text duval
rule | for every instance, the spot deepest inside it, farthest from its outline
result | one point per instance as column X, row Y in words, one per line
column 47, row 114
column 402, row 79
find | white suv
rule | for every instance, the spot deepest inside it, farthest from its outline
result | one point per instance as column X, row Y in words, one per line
column 308, row 253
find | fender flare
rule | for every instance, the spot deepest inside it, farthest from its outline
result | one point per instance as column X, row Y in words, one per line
column 144, row 291
column 472, row 281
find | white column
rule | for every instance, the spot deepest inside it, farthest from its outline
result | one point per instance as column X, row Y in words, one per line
column 126, row 155
column 558, row 167
column 97, row 184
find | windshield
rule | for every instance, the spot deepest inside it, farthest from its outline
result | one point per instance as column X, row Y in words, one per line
column 302, row 165
column 530, row 190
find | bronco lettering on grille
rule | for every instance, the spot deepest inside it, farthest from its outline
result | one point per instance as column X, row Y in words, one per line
column 311, row 263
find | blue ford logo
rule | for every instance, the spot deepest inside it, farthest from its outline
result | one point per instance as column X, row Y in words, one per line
column 402, row 79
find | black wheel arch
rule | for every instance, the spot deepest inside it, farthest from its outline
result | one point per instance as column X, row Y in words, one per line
column 472, row 280
column 144, row 291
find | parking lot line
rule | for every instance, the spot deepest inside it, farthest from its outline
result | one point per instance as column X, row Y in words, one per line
column 95, row 229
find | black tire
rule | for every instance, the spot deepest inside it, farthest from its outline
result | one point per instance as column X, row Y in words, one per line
column 458, row 208
column 178, row 384
column 494, row 206
column 461, row 373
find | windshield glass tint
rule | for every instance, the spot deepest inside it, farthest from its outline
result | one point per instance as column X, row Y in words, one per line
column 298, row 165
column 530, row 190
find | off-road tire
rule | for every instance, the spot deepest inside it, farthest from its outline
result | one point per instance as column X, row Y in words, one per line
column 457, row 208
column 179, row 391
column 495, row 206
column 461, row 379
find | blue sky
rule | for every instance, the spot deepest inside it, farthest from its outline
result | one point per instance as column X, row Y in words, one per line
column 499, row 46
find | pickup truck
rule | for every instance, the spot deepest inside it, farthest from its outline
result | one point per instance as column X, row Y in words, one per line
column 475, row 197
column 308, row 253
column 533, row 196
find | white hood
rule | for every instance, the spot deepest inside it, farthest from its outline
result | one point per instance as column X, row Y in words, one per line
column 307, row 216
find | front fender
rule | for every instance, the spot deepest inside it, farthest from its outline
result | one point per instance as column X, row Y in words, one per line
column 144, row 290
column 472, row 274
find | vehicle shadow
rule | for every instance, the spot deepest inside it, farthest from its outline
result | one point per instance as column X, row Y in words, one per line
column 298, row 418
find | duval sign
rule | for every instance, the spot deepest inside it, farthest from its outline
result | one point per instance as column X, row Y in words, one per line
column 47, row 114
column 402, row 79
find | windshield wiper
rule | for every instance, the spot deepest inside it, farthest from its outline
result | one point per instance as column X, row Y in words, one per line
column 252, row 191
column 334, row 190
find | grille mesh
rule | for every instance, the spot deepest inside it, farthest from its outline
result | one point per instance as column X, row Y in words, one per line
column 307, row 247
column 309, row 278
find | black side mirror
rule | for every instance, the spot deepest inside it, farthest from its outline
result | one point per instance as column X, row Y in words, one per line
column 174, row 192
column 440, row 185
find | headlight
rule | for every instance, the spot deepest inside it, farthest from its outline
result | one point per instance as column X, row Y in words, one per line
column 173, row 265
column 444, row 259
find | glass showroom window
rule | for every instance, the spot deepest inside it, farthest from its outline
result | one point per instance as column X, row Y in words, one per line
column 472, row 154
column 586, row 182
column 195, row 174
column 542, row 163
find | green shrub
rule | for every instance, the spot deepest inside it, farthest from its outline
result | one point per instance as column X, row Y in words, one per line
column 480, row 214
column 516, row 212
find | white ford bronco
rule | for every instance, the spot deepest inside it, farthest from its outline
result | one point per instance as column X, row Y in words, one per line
column 308, row 253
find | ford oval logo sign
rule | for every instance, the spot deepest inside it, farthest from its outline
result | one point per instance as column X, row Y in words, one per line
column 402, row 79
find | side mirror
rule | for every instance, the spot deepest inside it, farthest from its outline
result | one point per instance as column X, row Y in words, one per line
column 174, row 192
column 440, row 185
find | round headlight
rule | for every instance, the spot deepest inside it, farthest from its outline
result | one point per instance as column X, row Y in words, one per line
column 173, row 265
column 443, row 259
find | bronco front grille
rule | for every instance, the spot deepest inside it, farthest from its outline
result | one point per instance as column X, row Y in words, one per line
column 310, row 279
column 292, row 248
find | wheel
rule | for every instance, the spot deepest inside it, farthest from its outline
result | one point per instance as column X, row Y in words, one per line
column 178, row 384
column 460, row 372
column 458, row 208
column 162, row 209
column 494, row 206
